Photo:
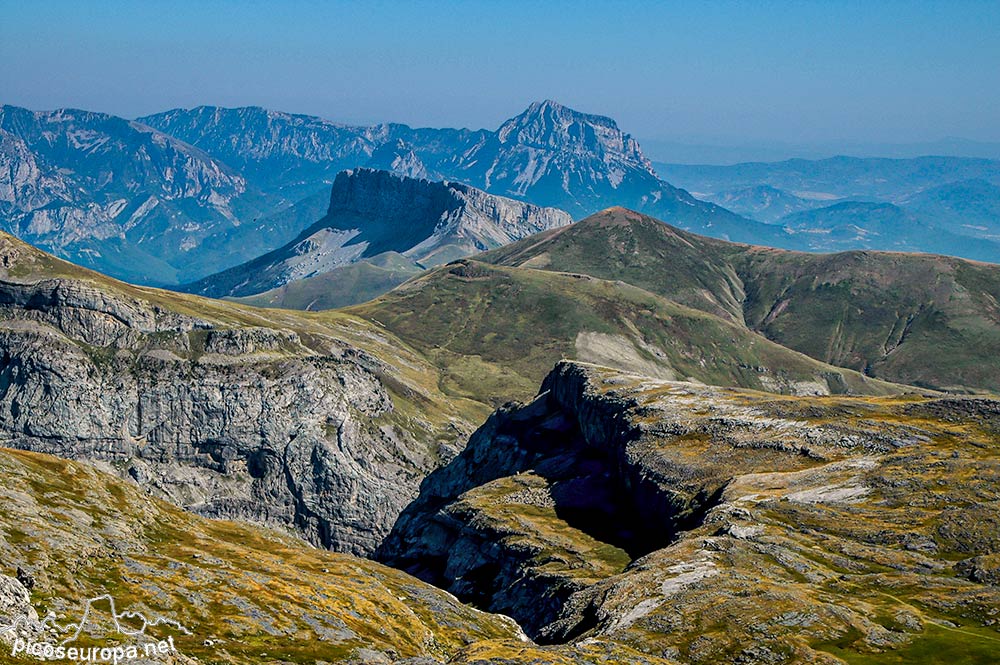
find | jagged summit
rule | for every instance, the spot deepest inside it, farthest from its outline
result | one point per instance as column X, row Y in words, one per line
column 197, row 190
column 551, row 125
column 223, row 113
column 254, row 139
column 553, row 155
column 297, row 155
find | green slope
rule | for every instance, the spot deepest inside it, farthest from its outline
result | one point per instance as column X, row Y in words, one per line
column 495, row 331
column 920, row 319
column 246, row 594
column 623, row 245
column 340, row 287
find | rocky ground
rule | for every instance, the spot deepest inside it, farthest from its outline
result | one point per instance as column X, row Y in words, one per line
column 322, row 425
column 243, row 594
column 715, row 525
column 619, row 519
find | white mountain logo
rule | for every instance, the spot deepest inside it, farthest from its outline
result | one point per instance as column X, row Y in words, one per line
column 50, row 621
column 123, row 624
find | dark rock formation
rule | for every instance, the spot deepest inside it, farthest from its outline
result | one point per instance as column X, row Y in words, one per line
column 713, row 525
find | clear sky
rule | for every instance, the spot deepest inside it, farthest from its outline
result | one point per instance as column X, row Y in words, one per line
column 807, row 71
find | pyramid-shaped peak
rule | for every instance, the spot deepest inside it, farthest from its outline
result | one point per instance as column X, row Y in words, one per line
column 551, row 106
column 551, row 126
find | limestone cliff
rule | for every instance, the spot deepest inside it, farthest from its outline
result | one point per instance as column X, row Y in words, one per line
column 281, row 420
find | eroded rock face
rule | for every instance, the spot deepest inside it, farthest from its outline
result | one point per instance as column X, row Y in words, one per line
column 713, row 525
column 122, row 197
column 229, row 420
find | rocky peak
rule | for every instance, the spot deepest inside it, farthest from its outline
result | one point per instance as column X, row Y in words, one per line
column 412, row 215
column 369, row 191
column 264, row 143
column 551, row 125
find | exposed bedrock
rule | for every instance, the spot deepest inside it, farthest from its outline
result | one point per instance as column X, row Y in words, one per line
column 716, row 525
column 569, row 463
column 231, row 421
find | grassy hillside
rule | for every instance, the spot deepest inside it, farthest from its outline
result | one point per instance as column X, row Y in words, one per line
column 496, row 331
column 246, row 594
column 623, row 245
column 920, row 319
column 925, row 320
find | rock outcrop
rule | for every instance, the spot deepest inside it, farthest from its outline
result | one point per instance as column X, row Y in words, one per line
column 18, row 618
column 374, row 212
column 212, row 406
column 224, row 592
column 716, row 525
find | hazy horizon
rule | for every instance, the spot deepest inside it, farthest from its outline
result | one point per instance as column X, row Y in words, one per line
column 774, row 78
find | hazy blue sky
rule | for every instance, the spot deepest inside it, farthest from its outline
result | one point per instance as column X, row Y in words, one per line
column 692, row 71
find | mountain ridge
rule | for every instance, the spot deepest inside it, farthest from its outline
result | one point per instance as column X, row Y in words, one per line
column 373, row 212
column 117, row 195
column 938, row 327
column 883, row 226
column 574, row 161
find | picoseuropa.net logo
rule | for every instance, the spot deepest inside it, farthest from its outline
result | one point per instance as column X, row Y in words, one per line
column 130, row 625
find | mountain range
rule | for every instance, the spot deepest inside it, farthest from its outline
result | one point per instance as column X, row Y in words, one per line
column 865, row 178
column 174, row 197
column 941, row 205
column 298, row 154
column 643, row 436
column 885, row 226
column 549, row 155
column 117, row 195
column 211, row 188
column 867, row 311
column 973, row 206
column 763, row 202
